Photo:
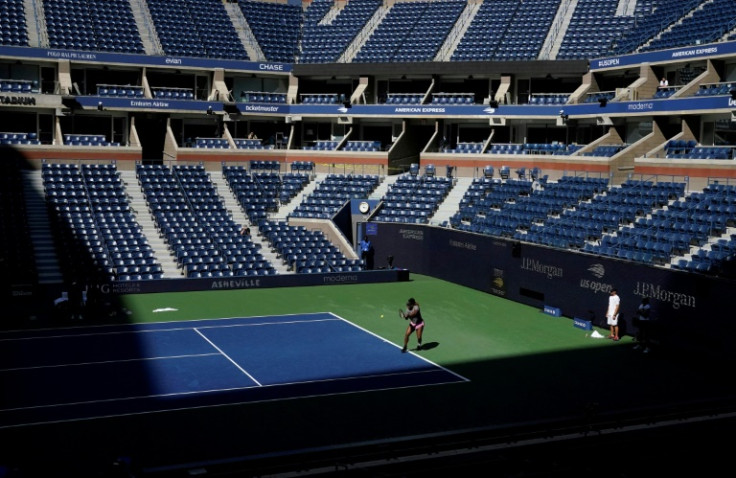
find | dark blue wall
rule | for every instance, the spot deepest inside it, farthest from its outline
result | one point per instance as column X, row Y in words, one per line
column 691, row 308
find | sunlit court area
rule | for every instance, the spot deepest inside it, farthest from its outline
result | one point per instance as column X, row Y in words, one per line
column 366, row 237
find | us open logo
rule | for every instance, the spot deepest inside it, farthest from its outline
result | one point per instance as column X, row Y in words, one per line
column 597, row 270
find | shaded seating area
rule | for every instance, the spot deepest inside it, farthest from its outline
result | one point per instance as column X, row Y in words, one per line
column 19, row 138
column 322, row 145
column 98, row 238
column 15, row 241
column 606, row 151
column 211, row 143
column 18, row 86
column 370, row 146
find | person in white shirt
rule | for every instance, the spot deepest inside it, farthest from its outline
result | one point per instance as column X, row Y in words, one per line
column 614, row 304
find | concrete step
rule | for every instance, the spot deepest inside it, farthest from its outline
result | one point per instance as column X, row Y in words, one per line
column 143, row 217
column 44, row 249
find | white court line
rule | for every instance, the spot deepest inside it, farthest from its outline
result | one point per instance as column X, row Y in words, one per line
column 259, row 385
column 198, row 407
column 172, row 329
column 464, row 379
column 161, row 322
column 228, row 357
column 103, row 362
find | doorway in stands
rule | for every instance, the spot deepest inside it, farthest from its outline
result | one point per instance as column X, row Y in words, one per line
column 151, row 128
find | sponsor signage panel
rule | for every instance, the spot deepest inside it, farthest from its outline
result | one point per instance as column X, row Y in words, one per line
column 687, row 53
column 147, row 60
column 553, row 311
column 252, row 282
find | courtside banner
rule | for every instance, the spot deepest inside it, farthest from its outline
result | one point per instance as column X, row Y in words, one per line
column 252, row 282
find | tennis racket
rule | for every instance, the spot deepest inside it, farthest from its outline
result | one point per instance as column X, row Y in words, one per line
column 401, row 314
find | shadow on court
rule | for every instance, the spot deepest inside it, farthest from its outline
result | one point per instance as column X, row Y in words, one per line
column 430, row 345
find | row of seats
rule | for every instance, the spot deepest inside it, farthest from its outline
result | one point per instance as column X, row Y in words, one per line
column 262, row 97
column 323, row 98
column 453, row 98
column 126, row 91
column 88, row 140
column 549, row 99
column 404, row 98
column 18, row 86
column 714, row 89
column 362, row 146
column 172, row 93
column 19, row 138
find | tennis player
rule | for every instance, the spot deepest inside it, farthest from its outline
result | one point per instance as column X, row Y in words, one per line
column 416, row 323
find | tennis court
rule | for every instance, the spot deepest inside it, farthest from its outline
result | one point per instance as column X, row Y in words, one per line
column 90, row 372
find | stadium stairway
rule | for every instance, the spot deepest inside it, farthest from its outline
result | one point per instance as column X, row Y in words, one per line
column 287, row 209
column 144, row 22
column 35, row 24
column 142, row 215
column 729, row 231
column 451, row 204
column 42, row 238
column 383, row 187
column 458, row 31
column 661, row 32
column 553, row 42
column 236, row 211
column 352, row 50
column 245, row 34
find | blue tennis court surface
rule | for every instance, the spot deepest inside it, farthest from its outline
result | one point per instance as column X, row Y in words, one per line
column 89, row 372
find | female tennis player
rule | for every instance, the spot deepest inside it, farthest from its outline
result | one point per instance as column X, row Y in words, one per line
column 416, row 323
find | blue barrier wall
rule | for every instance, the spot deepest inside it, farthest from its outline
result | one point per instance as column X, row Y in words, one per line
column 691, row 308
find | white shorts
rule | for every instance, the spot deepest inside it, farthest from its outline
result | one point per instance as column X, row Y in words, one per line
column 612, row 319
